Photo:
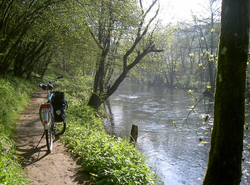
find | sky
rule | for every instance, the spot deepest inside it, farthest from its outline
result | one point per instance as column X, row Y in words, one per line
column 177, row 10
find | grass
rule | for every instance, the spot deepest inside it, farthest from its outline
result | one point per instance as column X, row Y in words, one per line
column 14, row 97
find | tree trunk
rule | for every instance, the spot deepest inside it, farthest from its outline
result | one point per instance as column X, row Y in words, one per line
column 95, row 101
column 225, row 157
column 101, row 88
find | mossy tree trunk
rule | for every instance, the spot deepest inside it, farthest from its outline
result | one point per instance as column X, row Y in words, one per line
column 225, row 157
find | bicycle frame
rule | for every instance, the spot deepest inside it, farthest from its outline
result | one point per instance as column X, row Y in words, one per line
column 46, row 117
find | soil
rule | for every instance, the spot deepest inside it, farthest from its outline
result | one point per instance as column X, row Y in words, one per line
column 41, row 167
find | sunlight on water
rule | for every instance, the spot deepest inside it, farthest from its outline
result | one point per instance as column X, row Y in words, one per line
column 176, row 149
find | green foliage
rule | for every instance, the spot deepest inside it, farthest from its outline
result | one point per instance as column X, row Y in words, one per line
column 190, row 82
column 10, row 169
column 14, row 97
column 109, row 160
column 77, row 88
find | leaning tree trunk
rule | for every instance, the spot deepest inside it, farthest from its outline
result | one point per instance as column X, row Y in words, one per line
column 95, row 101
column 225, row 157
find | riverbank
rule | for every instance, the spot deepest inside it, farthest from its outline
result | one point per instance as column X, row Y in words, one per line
column 109, row 160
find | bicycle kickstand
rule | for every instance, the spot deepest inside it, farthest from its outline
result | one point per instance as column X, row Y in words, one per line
column 40, row 140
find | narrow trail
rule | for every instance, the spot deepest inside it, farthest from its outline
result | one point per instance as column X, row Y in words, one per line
column 42, row 168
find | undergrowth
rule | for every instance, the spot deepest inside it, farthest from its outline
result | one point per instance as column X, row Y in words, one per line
column 109, row 160
column 14, row 97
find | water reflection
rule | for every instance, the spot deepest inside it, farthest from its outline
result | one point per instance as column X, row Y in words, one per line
column 177, row 149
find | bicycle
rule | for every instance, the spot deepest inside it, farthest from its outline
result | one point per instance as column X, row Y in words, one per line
column 52, row 113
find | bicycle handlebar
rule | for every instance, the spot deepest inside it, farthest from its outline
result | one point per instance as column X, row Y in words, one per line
column 55, row 79
column 48, row 85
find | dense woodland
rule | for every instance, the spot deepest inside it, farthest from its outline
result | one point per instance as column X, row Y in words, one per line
column 116, row 40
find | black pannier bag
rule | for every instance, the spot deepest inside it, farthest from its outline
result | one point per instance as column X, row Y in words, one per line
column 59, row 104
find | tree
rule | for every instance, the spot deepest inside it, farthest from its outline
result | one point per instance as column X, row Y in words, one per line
column 115, row 21
column 208, row 31
column 16, row 20
column 24, row 35
column 75, row 46
column 225, row 157
column 158, row 69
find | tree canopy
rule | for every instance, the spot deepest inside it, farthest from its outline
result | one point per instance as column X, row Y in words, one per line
column 106, row 40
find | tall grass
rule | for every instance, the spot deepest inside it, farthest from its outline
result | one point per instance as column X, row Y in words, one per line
column 14, row 97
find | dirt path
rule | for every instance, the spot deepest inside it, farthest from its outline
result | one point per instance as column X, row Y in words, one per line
column 41, row 168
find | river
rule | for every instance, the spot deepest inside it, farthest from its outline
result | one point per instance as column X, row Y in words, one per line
column 175, row 142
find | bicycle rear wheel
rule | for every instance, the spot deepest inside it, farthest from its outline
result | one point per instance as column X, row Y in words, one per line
column 41, row 113
column 49, row 137
column 60, row 128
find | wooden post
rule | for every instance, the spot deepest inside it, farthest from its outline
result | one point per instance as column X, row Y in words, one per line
column 134, row 134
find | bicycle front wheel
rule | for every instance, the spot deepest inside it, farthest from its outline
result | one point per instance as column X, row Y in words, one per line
column 49, row 138
column 60, row 128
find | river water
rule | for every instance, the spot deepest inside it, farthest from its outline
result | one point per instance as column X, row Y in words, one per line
column 174, row 138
